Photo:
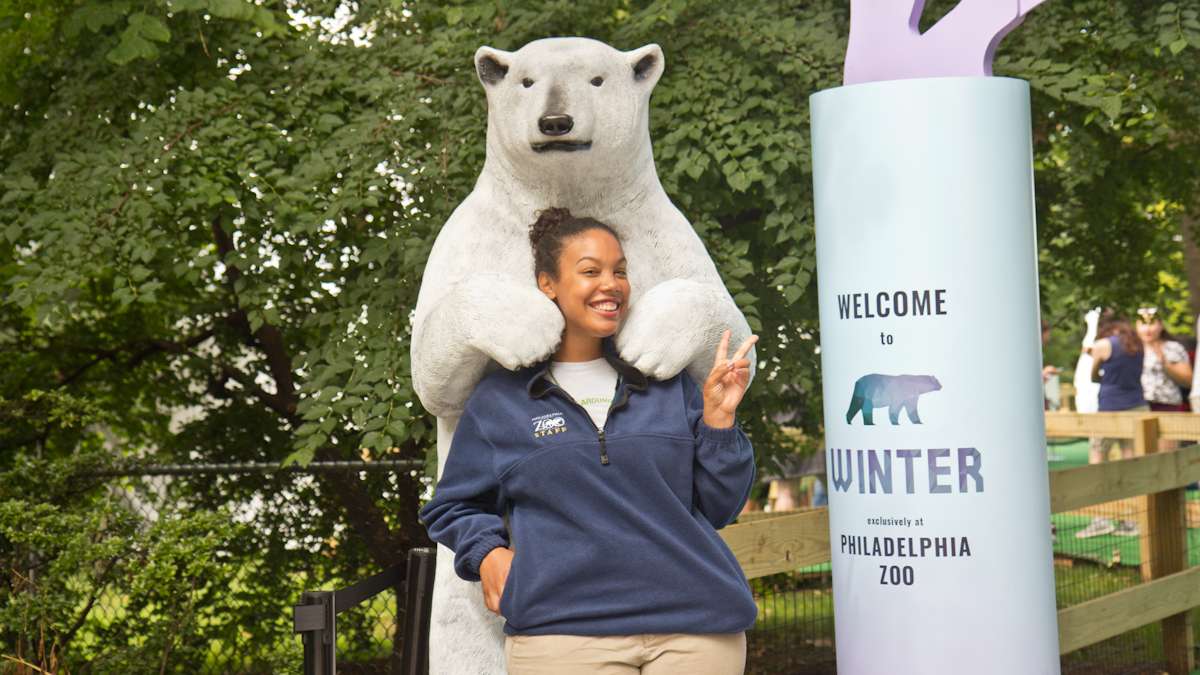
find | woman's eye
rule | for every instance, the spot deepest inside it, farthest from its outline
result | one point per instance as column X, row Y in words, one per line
column 527, row 83
column 621, row 273
column 597, row 81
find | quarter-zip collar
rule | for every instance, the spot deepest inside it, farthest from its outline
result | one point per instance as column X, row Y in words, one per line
column 630, row 378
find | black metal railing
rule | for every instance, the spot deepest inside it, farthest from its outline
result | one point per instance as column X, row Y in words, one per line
column 316, row 615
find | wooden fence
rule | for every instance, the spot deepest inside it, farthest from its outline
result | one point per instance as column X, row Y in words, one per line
column 788, row 541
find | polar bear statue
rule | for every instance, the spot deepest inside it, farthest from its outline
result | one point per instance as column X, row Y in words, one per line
column 568, row 126
column 1087, row 393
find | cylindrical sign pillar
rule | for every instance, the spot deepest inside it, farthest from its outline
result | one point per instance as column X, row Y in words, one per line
column 931, row 367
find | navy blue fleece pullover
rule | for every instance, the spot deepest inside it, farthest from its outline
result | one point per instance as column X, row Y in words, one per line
column 613, row 529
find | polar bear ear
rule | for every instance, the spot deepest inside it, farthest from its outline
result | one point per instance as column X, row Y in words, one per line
column 491, row 64
column 646, row 64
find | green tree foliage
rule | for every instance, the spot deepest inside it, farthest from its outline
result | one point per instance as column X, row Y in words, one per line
column 69, row 546
column 1116, row 138
column 224, row 208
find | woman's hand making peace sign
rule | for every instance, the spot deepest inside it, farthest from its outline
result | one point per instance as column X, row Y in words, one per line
column 726, row 384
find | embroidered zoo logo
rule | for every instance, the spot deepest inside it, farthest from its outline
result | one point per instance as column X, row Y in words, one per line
column 548, row 425
column 894, row 392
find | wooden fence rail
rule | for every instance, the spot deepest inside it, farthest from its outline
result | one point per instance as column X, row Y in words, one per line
column 788, row 541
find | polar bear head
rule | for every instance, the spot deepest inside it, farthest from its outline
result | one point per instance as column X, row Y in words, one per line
column 929, row 383
column 569, row 110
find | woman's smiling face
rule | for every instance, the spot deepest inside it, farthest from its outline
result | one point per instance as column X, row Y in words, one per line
column 592, row 289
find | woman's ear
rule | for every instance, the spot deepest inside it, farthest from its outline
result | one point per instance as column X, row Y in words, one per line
column 546, row 285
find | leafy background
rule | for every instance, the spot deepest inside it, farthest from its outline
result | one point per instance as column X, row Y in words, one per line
column 217, row 214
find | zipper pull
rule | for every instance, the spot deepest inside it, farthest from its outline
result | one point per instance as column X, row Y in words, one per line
column 603, row 451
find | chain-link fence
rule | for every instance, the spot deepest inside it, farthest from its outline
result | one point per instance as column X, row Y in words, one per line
column 198, row 570
column 284, row 547
column 1112, row 546
column 250, row 631
column 268, row 540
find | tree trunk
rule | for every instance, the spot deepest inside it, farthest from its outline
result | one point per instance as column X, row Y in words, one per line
column 1189, row 227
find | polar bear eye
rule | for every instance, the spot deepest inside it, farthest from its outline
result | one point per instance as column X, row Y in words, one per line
column 597, row 81
column 527, row 83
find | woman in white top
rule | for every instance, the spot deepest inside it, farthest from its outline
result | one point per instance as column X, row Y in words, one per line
column 1166, row 367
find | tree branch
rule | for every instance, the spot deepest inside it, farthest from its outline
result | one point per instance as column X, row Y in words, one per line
column 280, row 404
column 116, row 210
column 366, row 519
column 268, row 337
column 271, row 340
column 148, row 348
column 362, row 513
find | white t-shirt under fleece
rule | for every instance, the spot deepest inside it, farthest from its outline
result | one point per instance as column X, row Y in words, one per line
column 591, row 383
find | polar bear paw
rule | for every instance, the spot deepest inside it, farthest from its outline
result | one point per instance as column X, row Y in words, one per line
column 513, row 325
column 667, row 327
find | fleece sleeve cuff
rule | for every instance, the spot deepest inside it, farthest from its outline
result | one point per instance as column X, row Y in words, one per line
column 720, row 437
column 476, row 554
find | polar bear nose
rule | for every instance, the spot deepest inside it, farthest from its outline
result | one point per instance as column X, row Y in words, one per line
column 555, row 125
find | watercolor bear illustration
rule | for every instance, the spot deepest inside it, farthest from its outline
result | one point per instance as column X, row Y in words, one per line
column 894, row 392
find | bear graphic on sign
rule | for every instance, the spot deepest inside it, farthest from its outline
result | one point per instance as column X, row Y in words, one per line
column 894, row 392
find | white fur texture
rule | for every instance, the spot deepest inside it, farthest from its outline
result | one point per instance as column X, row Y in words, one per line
column 479, row 303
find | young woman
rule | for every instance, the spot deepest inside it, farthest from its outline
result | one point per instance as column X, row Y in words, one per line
column 586, row 497
column 1117, row 366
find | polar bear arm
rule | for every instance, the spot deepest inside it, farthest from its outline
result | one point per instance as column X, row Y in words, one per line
column 445, row 367
column 678, row 324
column 487, row 316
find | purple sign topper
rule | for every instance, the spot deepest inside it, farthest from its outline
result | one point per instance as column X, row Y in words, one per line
column 886, row 43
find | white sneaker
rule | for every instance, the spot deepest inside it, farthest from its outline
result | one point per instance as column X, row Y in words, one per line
column 1098, row 527
column 1126, row 528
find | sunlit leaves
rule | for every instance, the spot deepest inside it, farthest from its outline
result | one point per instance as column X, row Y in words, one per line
column 329, row 168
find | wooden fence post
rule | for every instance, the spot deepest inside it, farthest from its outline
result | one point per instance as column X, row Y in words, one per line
column 1164, row 551
column 1145, row 442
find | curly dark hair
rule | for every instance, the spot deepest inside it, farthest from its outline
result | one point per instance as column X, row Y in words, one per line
column 553, row 228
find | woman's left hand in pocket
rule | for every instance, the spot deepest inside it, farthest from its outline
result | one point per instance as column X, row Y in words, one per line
column 493, row 574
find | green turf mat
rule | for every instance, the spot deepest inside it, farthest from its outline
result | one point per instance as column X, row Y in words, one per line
column 1067, row 455
column 1107, row 549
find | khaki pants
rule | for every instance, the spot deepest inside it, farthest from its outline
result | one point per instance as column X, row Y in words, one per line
column 654, row 654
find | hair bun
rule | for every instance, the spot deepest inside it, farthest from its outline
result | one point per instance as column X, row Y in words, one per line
column 548, row 221
column 550, row 233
